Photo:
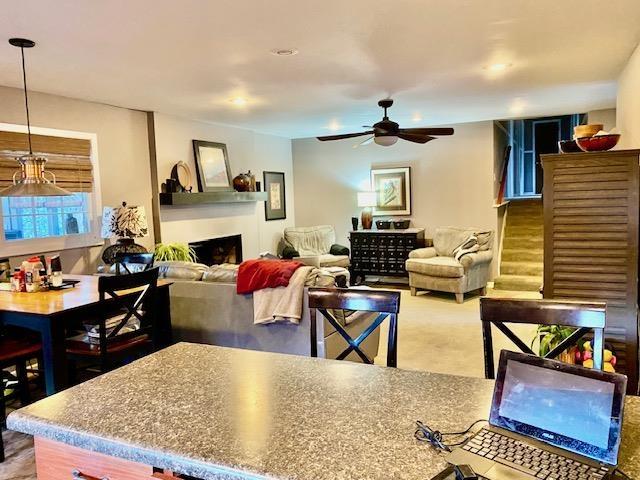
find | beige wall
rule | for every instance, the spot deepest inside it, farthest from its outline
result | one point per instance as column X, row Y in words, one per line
column 247, row 151
column 628, row 104
column 452, row 179
column 607, row 117
column 122, row 150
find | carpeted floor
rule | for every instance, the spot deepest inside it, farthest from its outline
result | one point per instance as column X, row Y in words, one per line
column 434, row 334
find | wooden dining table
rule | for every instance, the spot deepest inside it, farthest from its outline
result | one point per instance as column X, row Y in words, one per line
column 52, row 312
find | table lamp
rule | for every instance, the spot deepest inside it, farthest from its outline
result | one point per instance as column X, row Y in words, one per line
column 367, row 200
column 126, row 223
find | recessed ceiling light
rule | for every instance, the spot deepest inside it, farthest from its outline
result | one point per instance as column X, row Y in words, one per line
column 498, row 67
column 334, row 125
column 239, row 101
column 416, row 117
column 284, row 52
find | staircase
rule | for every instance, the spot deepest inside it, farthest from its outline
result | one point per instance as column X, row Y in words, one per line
column 521, row 264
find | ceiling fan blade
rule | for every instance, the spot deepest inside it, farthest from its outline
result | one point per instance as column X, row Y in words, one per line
column 428, row 131
column 344, row 135
column 365, row 142
column 416, row 138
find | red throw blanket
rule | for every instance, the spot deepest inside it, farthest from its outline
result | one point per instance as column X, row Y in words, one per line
column 258, row 274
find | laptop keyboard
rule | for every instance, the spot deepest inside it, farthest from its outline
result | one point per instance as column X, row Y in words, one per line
column 528, row 459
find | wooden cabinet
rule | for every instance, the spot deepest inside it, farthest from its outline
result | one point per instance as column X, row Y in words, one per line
column 57, row 461
column 383, row 252
column 591, row 204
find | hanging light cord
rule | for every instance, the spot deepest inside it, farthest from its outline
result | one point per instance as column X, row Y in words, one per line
column 26, row 99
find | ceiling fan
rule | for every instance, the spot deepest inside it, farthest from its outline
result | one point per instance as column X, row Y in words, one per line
column 387, row 132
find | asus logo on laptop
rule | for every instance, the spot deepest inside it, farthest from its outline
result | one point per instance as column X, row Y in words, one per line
column 548, row 436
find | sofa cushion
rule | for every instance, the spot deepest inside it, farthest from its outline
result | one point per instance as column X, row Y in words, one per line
column 181, row 270
column 328, row 260
column 447, row 267
column 447, row 239
column 310, row 240
column 224, row 273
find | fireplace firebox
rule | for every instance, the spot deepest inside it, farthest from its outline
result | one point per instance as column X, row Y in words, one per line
column 214, row 251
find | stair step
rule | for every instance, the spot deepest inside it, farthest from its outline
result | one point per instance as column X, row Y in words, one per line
column 521, row 268
column 530, row 229
column 522, row 255
column 518, row 283
column 522, row 243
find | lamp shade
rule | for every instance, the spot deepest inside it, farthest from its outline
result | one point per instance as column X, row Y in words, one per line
column 124, row 221
column 367, row 199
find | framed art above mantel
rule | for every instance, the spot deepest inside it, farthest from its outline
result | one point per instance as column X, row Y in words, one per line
column 212, row 166
column 393, row 191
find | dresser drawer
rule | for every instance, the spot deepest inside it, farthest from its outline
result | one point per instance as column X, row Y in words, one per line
column 58, row 461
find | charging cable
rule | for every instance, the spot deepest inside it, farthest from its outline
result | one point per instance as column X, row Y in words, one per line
column 424, row 433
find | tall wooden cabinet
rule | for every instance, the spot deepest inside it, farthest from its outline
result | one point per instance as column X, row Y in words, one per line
column 591, row 210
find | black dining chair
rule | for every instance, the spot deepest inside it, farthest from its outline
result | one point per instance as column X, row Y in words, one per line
column 385, row 303
column 123, row 261
column 126, row 325
column 584, row 316
column 17, row 348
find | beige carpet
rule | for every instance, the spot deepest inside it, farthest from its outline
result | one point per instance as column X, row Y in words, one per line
column 434, row 334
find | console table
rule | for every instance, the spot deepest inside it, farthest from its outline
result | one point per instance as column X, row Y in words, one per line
column 383, row 252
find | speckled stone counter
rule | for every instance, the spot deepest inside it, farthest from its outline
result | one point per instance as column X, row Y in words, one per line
column 218, row 413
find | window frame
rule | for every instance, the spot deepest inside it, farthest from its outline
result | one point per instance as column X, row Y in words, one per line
column 9, row 248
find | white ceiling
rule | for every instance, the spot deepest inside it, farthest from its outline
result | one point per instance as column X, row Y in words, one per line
column 190, row 57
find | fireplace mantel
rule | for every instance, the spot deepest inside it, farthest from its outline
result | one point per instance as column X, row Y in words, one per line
column 203, row 198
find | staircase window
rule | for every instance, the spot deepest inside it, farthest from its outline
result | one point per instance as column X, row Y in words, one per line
column 530, row 138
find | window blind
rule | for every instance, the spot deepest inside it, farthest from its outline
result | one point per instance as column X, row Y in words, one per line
column 68, row 158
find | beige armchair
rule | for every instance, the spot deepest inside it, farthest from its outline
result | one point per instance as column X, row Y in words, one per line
column 436, row 268
column 316, row 245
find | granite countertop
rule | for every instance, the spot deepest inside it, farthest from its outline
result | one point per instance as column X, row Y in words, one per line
column 219, row 413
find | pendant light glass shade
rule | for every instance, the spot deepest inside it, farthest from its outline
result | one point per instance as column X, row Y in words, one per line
column 30, row 180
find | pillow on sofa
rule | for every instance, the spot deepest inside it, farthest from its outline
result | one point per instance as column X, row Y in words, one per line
column 181, row 270
column 224, row 273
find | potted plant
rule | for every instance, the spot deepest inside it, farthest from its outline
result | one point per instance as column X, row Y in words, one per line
column 550, row 336
column 174, row 252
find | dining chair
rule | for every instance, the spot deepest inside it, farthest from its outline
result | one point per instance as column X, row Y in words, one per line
column 383, row 302
column 17, row 348
column 126, row 324
column 584, row 316
column 124, row 260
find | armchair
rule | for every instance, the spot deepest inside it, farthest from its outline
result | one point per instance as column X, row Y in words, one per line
column 318, row 241
column 437, row 268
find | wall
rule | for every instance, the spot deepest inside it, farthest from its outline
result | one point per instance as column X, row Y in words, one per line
column 122, row 149
column 452, row 179
column 628, row 104
column 606, row 117
column 247, row 151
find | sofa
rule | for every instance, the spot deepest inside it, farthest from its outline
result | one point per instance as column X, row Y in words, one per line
column 315, row 246
column 205, row 308
column 459, row 262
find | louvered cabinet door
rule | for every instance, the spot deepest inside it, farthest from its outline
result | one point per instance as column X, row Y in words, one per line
column 591, row 240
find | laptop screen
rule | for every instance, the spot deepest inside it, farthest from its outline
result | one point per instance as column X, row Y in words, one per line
column 571, row 407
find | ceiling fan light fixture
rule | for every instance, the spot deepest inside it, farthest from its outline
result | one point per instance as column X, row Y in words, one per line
column 385, row 140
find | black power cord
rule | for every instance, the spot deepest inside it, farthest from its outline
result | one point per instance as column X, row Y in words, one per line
column 424, row 433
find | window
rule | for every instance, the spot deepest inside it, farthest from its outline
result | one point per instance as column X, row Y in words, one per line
column 30, row 225
column 43, row 217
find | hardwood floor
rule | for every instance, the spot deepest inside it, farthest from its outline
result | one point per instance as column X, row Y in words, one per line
column 19, row 463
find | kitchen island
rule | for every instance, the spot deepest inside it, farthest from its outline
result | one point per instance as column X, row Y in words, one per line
column 219, row 413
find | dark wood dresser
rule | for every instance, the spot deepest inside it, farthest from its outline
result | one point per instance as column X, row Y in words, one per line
column 383, row 252
column 591, row 221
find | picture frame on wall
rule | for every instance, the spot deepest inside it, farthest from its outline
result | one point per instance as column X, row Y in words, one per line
column 393, row 190
column 275, row 208
column 212, row 166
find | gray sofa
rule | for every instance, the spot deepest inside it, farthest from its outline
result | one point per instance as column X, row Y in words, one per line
column 213, row 313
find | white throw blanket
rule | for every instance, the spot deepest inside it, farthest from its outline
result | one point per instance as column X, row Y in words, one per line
column 281, row 304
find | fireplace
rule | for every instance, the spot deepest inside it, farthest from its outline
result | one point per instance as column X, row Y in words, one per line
column 215, row 251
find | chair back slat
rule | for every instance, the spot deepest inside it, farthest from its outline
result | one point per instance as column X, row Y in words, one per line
column 584, row 316
column 381, row 301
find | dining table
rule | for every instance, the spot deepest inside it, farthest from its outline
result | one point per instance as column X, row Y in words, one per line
column 51, row 313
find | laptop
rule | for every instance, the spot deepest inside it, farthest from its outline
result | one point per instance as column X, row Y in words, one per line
column 549, row 420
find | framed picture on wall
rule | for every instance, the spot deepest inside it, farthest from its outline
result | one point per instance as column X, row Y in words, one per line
column 212, row 166
column 393, row 190
column 275, row 208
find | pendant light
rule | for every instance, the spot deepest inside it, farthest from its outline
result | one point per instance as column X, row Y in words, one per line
column 30, row 180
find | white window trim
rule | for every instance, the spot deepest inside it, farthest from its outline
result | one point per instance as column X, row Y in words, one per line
column 10, row 248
